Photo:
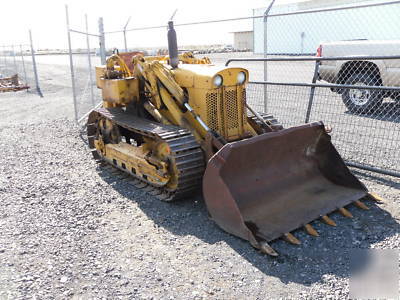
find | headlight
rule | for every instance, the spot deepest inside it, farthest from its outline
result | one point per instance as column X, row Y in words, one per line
column 241, row 77
column 218, row 80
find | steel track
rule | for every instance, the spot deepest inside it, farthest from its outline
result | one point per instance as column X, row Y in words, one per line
column 185, row 151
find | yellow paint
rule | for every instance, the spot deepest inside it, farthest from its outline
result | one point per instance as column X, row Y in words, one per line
column 375, row 197
column 135, row 160
column 100, row 76
column 120, row 91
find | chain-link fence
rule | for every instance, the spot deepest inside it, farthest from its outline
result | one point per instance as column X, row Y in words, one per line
column 352, row 84
column 83, row 56
column 20, row 60
column 366, row 140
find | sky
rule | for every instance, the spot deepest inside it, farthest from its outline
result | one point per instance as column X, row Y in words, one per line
column 46, row 19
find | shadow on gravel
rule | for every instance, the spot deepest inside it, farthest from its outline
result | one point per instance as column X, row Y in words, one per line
column 389, row 112
column 304, row 264
column 388, row 181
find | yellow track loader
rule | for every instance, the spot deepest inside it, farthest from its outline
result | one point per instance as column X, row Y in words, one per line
column 176, row 123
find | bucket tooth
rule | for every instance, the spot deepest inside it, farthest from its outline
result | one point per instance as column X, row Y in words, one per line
column 361, row 205
column 375, row 197
column 290, row 238
column 345, row 212
column 310, row 230
column 328, row 221
column 267, row 249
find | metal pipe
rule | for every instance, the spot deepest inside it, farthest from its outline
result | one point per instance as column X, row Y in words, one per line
column 373, row 169
column 190, row 109
column 23, row 64
column 102, row 42
column 14, row 59
column 266, row 53
column 313, row 58
column 312, row 92
column 336, row 86
column 12, row 45
column 85, row 33
column 311, row 11
column 89, row 61
column 71, row 65
column 34, row 66
column 136, row 29
column 5, row 58
column 173, row 15
column 258, row 116
column 262, row 16
column 126, row 46
column 4, row 55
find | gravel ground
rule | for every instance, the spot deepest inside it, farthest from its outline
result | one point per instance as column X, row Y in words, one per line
column 72, row 229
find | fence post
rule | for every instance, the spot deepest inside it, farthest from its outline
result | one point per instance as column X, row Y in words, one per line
column 89, row 61
column 125, row 43
column 3, row 53
column 5, row 58
column 312, row 91
column 266, row 54
column 34, row 66
column 126, row 47
column 102, row 42
column 71, row 65
column 14, row 59
column 23, row 64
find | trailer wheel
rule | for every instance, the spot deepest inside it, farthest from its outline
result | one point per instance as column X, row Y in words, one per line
column 362, row 100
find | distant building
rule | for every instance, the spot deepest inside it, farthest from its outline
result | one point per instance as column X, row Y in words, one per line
column 302, row 33
column 243, row 40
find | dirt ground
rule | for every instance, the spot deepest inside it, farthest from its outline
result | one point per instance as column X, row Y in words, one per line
column 72, row 229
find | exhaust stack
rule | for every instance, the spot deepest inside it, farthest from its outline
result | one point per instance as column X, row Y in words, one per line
column 172, row 45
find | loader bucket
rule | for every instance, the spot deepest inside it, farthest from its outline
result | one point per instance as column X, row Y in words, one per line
column 269, row 185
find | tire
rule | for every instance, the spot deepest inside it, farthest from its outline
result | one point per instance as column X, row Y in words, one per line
column 362, row 101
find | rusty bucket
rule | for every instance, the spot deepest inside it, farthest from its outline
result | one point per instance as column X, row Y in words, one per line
column 264, row 187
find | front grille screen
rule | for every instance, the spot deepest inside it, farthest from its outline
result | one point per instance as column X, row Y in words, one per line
column 231, row 109
column 212, row 111
column 224, row 103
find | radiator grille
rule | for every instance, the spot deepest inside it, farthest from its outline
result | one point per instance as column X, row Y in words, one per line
column 212, row 110
column 223, row 114
column 244, row 106
column 231, row 109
